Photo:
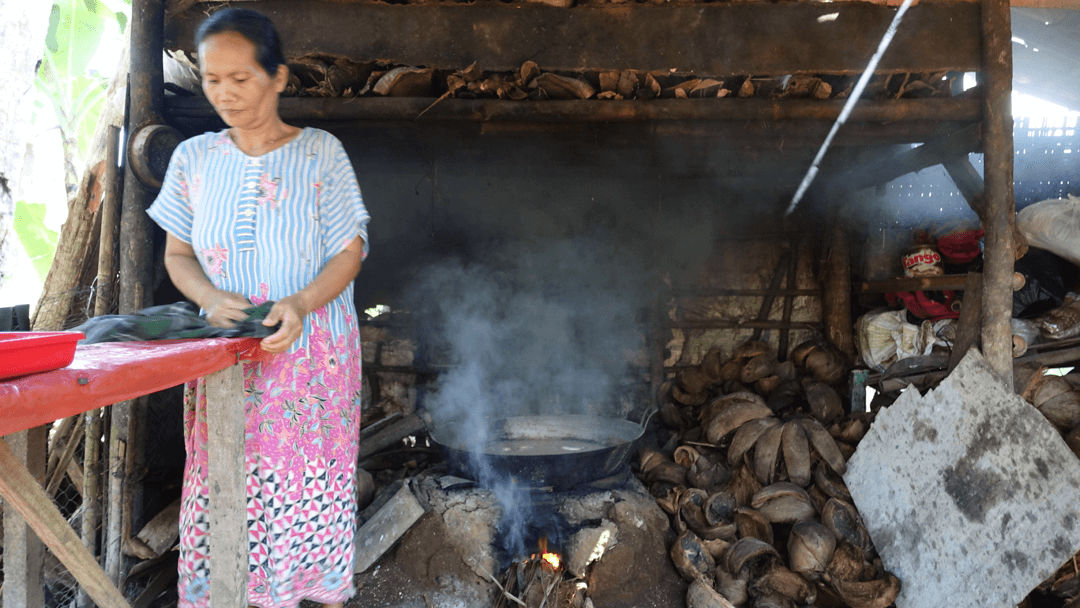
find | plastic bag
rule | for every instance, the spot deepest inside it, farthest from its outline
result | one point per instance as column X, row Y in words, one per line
column 1053, row 225
column 886, row 337
column 1046, row 281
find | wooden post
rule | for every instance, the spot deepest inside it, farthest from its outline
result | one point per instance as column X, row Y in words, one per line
column 110, row 223
column 23, row 553
column 998, row 177
column 836, row 290
column 145, row 95
column 967, row 327
column 23, row 493
column 228, row 488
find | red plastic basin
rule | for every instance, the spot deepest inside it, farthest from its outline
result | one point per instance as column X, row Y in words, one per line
column 29, row 352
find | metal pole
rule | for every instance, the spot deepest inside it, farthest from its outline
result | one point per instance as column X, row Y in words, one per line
column 998, row 177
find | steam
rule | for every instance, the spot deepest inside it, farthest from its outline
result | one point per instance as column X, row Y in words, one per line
column 531, row 330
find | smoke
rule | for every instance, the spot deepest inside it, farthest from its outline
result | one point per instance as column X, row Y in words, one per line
column 531, row 330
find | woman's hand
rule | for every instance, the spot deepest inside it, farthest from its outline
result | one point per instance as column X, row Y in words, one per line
column 290, row 312
column 224, row 309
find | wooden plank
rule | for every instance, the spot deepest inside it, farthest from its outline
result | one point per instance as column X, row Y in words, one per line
column 948, row 281
column 739, row 324
column 228, row 488
column 968, row 181
column 389, row 435
column 23, row 552
column 964, row 109
column 836, row 289
column 998, row 178
column 22, row 492
column 389, row 524
column 74, row 439
column 713, row 39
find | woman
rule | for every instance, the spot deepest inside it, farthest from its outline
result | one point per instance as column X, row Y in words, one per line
column 265, row 211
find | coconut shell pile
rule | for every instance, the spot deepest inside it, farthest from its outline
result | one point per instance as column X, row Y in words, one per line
column 319, row 75
column 752, row 481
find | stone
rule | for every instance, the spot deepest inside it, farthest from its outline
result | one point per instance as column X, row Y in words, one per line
column 588, row 545
column 969, row 494
column 397, row 353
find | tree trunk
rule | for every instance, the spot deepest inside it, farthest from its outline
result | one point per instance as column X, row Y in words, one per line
column 22, row 40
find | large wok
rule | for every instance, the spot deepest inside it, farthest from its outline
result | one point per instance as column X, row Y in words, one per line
column 540, row 451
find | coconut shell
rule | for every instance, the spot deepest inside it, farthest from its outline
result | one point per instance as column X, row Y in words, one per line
column 720, row 508
column 671, row 416
column 686, row 456
column 843, row 520
column 783, row 502
column 846, row 563
column 745, row 437
column 829, row 483
column 690, row 557
column 1063, row 411
column 786, row 370
column 785, row 396
column 801, row 352
column 1072, row 439
column 772, row 600
column 766, row 454
column 693, row 380
column 781, row 581
column 680, row 395
column 731, row 587
column 731, row 414
column 743, row 484
column 691, row 509
column 730, row 371
column 716, row 547
column 826, row 366
column 667, row 472
column 880, row 593
column 817, row 497
column 767, row 385
column 701, row 595
column 650, row 459
column 810, row 548
column 796, row 449
column 757, row 367
column 751, row 555
column 750, row 523
column 670, row 501
column 824, row 402
column 712, row 363
column 751, row 348
column 824, row 444
column 708, row 475
column 852, row 430
column 1049, row 387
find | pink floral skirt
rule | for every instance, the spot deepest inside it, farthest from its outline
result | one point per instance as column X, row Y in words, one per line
column 303, row 421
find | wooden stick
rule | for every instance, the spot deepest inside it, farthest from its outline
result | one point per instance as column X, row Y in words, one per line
column 75, row 476
column 789, row 301
column 228, row 488
column 58, row 434
column 505, row 593
column 774, row 284
column 967, row 327
column 836, row 299
column 73, row 441
column 23, row 493
column 92, row 489
column 110, row 223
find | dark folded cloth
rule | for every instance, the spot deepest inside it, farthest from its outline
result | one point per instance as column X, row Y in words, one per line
column 172, row 322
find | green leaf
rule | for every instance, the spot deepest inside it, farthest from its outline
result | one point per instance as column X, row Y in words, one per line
column 121, row 19
column 76, row 32
column 39, row 241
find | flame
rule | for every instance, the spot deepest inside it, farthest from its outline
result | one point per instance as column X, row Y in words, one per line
column 552, row 559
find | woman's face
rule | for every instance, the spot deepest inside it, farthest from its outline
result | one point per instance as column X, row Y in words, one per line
column 241, row 91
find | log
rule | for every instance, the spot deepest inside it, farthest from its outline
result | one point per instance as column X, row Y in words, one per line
column 386, row 435
column 24, row 494
column 91, row 491
column 161, row 532
column 970, row 321
column 386, row 527
column 998, row 180
column 105, row 296
column 789, row 302
column 948, row 281
column 774, row 284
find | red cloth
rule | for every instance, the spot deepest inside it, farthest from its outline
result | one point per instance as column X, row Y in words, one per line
column 110, row 372
column 960, row 247
column 922, row 305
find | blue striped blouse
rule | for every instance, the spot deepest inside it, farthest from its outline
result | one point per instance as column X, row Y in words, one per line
column 265, row 226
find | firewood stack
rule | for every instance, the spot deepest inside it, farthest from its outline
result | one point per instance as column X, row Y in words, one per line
column 753, row 483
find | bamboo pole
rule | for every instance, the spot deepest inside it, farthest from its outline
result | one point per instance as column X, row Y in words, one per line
column 110, row 223
column 92, row 490
column 998, row 178
column 836, row 290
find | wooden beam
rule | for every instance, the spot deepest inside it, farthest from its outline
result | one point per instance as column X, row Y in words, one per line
column 970, row 322
column 949, row 281
column 968, row 181
column 998, row 178
column 228, row 488
column 836, row 289
column 965, row 109
column 711, row 39
column 23, row 552
column 23, row 493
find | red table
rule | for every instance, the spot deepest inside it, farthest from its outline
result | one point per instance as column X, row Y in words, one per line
column 103, row 374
